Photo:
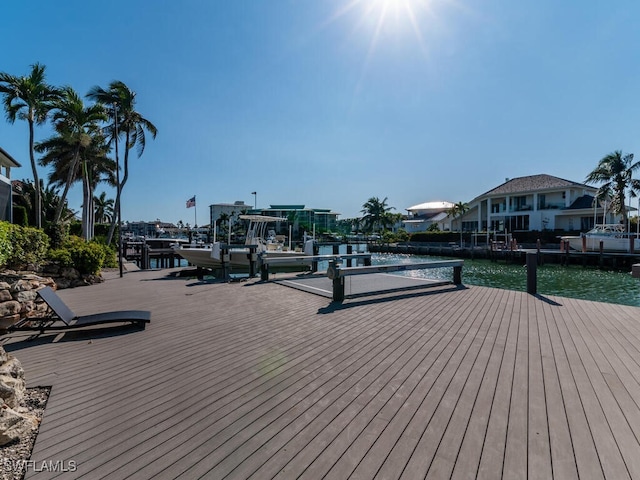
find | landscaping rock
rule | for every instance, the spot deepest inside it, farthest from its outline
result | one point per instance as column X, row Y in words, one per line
column 15, row 421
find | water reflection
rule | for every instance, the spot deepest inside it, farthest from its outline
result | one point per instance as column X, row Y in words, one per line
column 573, row 281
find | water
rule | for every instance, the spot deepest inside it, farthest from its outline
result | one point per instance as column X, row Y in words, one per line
column 573, row 281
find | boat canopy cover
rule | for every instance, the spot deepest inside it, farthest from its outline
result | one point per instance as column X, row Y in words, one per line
column 262, row 218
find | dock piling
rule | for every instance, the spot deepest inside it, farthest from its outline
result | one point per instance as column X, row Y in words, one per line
column 532, row 273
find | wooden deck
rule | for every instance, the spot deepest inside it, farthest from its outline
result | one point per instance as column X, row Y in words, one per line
column 257, row 380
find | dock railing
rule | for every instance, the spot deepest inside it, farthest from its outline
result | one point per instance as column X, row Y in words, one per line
column 311, row 260
column 336, row 272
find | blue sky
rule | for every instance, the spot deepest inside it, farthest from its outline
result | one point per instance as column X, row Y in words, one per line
column 327, row 103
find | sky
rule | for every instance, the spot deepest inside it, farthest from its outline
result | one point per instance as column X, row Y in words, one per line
column 327, row 103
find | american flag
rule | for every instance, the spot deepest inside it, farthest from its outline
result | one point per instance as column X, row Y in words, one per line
column 191, row 202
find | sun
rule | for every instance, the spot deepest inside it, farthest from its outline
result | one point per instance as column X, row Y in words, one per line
column 393, row 17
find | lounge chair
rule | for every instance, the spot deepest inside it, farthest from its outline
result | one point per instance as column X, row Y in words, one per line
column 59, row 312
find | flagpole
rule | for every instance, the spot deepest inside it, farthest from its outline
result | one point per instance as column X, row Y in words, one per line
column 195, row 212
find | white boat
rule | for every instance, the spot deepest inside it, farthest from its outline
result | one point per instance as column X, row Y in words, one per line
column 613, row 237
column 268, row 245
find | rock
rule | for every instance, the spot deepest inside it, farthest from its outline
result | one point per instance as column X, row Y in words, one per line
column 5, row 295
column 15, row 422
column 9, row 308
column 25, row 296
column 12, row 384
column 70, row 273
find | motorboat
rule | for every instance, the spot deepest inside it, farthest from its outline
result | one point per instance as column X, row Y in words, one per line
column 613, row 236
column 264, row 241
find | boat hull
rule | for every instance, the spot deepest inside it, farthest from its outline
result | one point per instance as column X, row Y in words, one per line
column 239, row 260
column 609, row 244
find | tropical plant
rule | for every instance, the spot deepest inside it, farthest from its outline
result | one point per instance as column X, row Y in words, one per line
column 103, row 208
column 223, row 222
column 76, row 124
column 615, row 174
column 127, row 122
column 29, row 98
column 458, row 211
column 24, row 196
column 95, row 167
column 375, row 213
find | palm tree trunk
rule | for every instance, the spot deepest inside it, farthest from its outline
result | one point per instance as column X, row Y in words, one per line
column 36, row 179
column 116, row 205
column 70, row 175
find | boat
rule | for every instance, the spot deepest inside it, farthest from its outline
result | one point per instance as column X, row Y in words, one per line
column 613, row 236
column 267, row 245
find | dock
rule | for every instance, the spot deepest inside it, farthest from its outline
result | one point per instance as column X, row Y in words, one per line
column 258, row 380
column 613, row 260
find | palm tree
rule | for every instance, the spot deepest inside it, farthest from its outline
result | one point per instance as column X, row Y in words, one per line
column 76, row 124
column 29, row 98
column 95, row 167
column 614, row 172
column 375, row 212
column 24, row 196
column 127, row 122
column 103, row 208
column 458, row 211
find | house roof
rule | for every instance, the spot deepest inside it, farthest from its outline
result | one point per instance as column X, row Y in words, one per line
column 533, row 183
column 431, row 206
column 7, row 160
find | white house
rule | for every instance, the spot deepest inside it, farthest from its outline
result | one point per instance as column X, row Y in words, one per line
column 6, row 163
column 423, row 215
column 536, row 202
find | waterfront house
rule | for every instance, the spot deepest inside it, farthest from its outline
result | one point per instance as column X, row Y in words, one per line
column 424, row 215
column 6, row 163
column 535, row 202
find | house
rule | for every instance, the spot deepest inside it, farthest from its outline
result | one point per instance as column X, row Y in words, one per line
column 6, row 163
column 536, row 202
column 424, row 215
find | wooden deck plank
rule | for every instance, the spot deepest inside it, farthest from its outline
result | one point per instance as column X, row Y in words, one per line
column 539, row 463
column 429, row 398
column 560, row 444
column 582, row 435
column 447, row 453
column 493, row 450
column 258, row 380
column 313, row 385
column 438, row 328
column 608, row 450
column 468, row 459
column 603, row 376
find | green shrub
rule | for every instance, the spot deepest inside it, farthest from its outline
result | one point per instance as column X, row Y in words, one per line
column 60, row 256
column 75, row 229
column 58, row 233
column 87, row 258
column 6, row 248
column 28, row 246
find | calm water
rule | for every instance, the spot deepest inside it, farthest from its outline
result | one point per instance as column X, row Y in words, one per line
column 573, row 281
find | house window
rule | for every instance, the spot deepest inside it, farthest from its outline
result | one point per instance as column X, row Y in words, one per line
column 520, row 203
column 517, row 222
column 542, row 201
column 469, row 226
